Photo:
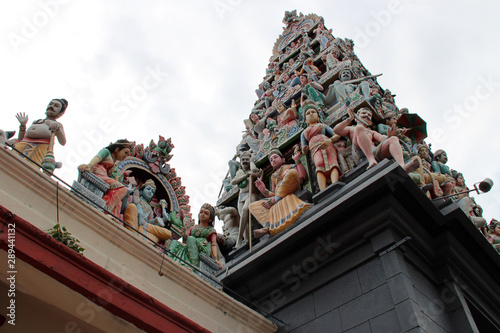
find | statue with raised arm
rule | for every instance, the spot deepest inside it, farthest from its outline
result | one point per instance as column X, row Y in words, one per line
column 141, row 215
column 34, row 142
column 363, row 140
column 281, row 208
column 244, row 176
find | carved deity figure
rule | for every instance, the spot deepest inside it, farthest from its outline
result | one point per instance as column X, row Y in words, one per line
column 103, row 165
column 363, row 139
column 141, row 215
column 281, row 208
column 244, row 176
column 317, row 139
column 343, row 90
column 202, row 238
column 34, row 142
column 230, row 228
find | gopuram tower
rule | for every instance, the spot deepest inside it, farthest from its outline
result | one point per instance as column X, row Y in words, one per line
column 349, row 222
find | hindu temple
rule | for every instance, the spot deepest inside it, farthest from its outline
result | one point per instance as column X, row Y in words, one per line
column 337, row 217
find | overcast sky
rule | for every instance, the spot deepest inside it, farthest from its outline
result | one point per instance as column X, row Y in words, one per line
column 188, row 70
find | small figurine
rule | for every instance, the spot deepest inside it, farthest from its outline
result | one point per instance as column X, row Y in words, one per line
column 281, row 208
column 103, row 166
column 230, row 229
column 317, row 139
column 34, row 142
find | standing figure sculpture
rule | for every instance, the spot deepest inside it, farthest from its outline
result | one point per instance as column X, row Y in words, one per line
column 318, row 139
column 363, row 139
column 103, row 166
column 141, row 216
column 34, row 142
column 243, row 179
column 200, row 238
column 281, row 208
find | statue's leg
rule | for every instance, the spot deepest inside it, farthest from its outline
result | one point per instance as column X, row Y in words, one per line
column 242, row 232
column 362, row 140
column 193, row 251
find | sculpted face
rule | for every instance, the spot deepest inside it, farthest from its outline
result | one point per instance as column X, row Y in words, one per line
column 365, row 115
column 121, row 154
column 460, row 181
column 312, row 116
column 497, row 229
column 443, row 158
column 255, row 118
column 204, row 215
column 303, row 80
column 54, row 108
column 245, row 161
column 148, row 192
column 423, row 153
column 276, row 161
column 345, row 75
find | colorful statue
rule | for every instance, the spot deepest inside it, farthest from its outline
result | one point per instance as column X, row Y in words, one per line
column 200, row 238
column 141, row 215
column 243, row 179
column 281, row 208
column 318, row 139
column 287, row 117
column 103, row 166
column 363, row 139
column 345, row 89
column 230, row 228
column 439, row 167
column 494, row 234
column 34, row 142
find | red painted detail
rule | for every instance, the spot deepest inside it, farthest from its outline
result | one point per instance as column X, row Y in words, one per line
column 82, row 275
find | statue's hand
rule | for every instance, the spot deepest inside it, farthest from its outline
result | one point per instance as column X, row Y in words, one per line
column 83, row 167
column 350, row 111
column 260, row 184
column 393, row 131
column 54, row 126
column 296, row 156
column 22, row 118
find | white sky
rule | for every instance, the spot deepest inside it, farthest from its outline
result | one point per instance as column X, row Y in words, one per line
column 209, row 57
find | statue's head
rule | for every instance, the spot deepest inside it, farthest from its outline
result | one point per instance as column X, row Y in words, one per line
column 56, row 107
column 207, row 213
column 148, row 190
column 254, row 116
column 440, row 156
column 365, row 115
column 276, row 158
column 311, row 113
column 121, row 149
column 423, row 151
column 346, row 75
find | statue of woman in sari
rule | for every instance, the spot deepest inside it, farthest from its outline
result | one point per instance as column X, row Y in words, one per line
column 103, row 165
column 200, row 238
column 317, row 139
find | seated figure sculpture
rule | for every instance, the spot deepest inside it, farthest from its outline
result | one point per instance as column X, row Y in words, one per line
column 34, row 141
column 201, row 238
column 281, row 208
column 439, row 166
column 363, row 140
column 343, row 90
column 141, row 216
column 103, row 166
